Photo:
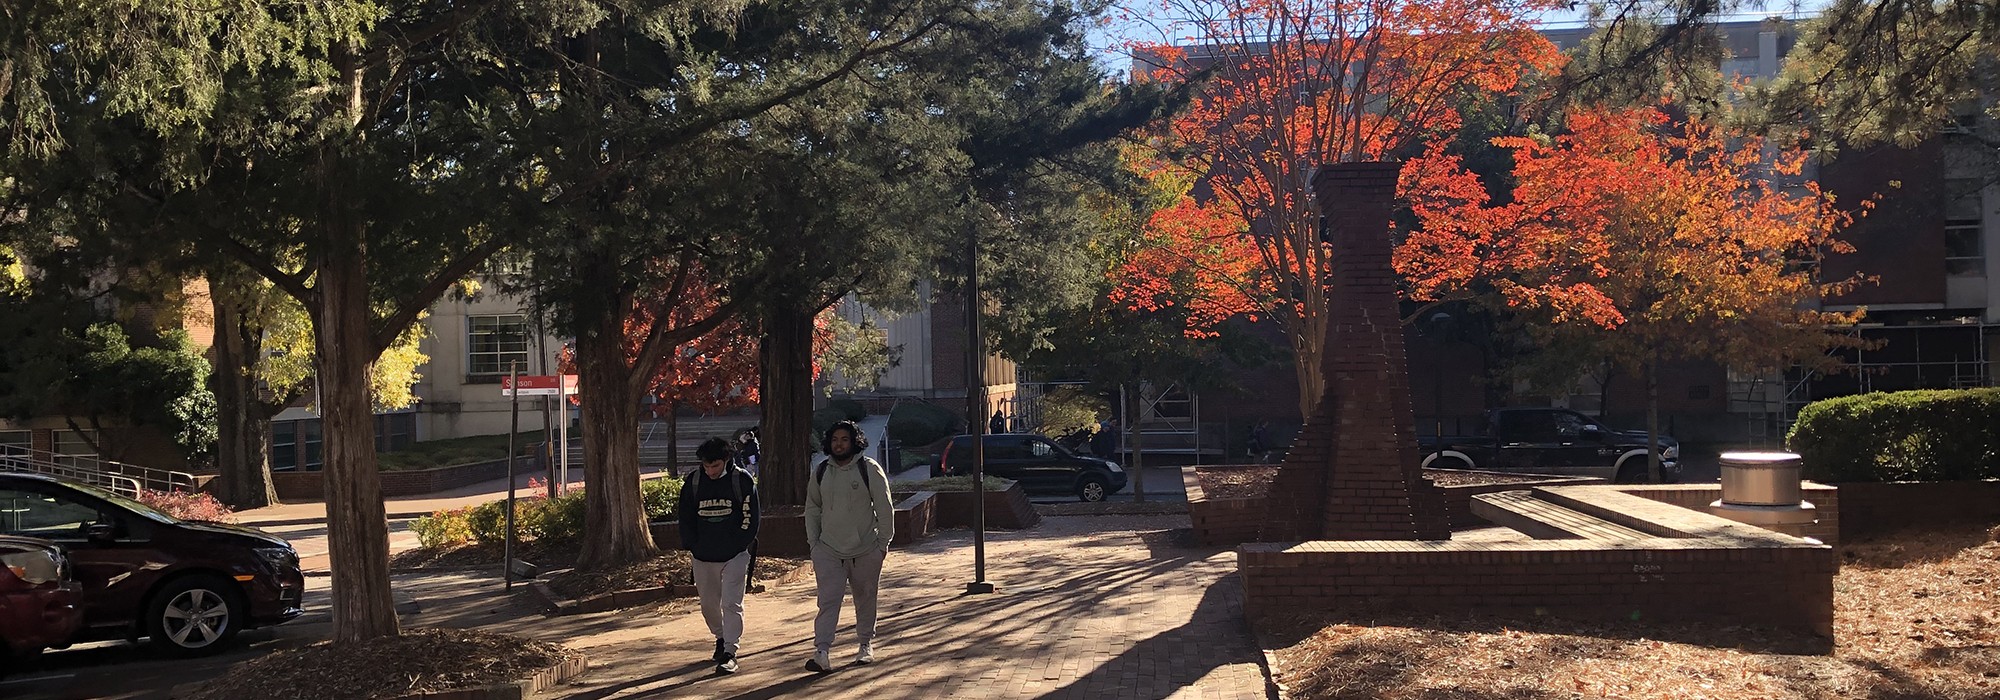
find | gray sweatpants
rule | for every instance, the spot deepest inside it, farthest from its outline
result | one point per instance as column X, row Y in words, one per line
column 721, row 585
column 835, row 575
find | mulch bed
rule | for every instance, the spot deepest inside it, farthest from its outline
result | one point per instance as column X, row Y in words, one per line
column 1451, row 478
column 669, row 569
column 1255, row 482
column 1917, row 615
column 1236, row 482
column 550, row 555
column 421, row 660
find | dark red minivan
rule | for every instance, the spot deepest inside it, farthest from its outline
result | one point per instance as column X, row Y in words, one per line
column 39, row 598
column 188, row 586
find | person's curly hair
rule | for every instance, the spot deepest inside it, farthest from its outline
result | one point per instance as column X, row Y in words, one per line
column 853, row 431
column 713, row 449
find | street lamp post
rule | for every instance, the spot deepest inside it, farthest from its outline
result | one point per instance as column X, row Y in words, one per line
column 975, row 412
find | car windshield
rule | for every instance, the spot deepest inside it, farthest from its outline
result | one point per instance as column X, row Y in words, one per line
column 142, row 509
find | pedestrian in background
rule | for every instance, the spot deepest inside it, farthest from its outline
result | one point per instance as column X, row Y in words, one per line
column 718, row 522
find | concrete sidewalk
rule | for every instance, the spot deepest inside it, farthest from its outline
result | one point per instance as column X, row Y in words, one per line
column 1088, row 607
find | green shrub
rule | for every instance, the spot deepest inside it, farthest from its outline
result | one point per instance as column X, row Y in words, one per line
column 823, row 419
column 1068, row 409
column 850, row 408
column 444, row 528
column 661, row 496
column 558, row 519
column 915, row 423
column 488, row 522
column 1936, row 435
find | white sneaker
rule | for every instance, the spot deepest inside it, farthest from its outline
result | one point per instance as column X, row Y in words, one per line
column 867, row 655
column 819, row 663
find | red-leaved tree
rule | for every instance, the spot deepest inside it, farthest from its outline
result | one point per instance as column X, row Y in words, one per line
column 1289, row 85
column 1647, row 238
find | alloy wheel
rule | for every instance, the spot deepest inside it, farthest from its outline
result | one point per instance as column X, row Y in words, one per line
column 196, row 618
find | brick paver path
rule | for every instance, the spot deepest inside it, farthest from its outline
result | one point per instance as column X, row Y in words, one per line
column 1089, row 607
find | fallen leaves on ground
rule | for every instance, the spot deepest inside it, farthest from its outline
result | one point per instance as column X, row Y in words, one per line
column 1916, row 615
column 420, row 660
column 1255, row 482
column 673, row 568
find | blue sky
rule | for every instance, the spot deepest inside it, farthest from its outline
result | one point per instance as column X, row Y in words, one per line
column 1153, row 25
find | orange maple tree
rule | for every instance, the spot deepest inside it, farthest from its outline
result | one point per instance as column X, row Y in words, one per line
column 1650, row 237
column 1289, row 85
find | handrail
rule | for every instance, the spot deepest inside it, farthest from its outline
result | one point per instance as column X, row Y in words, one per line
column 116, row 476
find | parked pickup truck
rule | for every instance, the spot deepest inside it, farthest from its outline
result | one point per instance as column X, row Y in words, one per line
column 1551, row 441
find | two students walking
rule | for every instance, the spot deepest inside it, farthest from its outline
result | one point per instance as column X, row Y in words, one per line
column 850, row 521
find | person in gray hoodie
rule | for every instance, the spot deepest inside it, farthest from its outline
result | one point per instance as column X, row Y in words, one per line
column 850, row 520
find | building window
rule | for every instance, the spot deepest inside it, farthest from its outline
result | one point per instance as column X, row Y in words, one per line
column 70, row 442
column 309, row 435
column 493, row 342
column 394, row 431
column 284, row 446
column 22, row 439
column 1964, row 224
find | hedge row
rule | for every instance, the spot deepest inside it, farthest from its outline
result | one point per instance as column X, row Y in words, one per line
column 536, row 517
column 1938, row 435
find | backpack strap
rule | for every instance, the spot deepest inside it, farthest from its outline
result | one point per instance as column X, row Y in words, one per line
column 819, row 472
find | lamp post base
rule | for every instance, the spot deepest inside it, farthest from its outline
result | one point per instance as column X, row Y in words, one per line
column 979, row 587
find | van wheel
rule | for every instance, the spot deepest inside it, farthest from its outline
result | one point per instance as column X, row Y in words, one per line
column 1449, row 462
column 194, row 615
column 1634, row 472
column 1092, row 488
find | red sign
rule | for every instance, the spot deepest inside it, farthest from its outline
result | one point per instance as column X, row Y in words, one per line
column 539, row 385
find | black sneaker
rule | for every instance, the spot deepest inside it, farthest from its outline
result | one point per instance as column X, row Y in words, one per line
column 720, row 655
column 726, row 665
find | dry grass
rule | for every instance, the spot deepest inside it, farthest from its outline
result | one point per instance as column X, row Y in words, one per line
column 1916, row 616
column 421, row 660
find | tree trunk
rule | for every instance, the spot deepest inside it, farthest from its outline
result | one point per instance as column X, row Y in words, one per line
column 786, row 387
column 1137, row 411
column 357, row 528
column 243, row 431
column 1306, row 353
column 1653, row 419
column 614, row 521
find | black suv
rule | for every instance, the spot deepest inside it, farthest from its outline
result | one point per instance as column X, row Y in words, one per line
column 1552, row 441
column 189, row 586
column 1041, row 465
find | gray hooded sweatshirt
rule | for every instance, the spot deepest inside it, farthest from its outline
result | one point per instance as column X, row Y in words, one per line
column 847, row 514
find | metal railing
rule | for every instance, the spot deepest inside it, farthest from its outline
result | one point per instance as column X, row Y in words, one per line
column 117, row 477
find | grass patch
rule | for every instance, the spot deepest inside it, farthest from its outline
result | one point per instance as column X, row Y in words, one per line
column 431, row 454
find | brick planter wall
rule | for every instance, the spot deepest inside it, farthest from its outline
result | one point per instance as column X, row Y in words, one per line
column 916, row 516
column 1005, row 510
column 311, row 486
column 1787, row 588
column 1868, row 508
column 1222, row 522
column 1826, row 500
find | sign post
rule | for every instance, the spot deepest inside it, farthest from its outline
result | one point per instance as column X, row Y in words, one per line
column 565, row 386
column 513, row 434
column 555, row 387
